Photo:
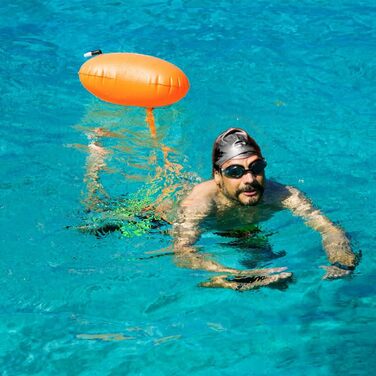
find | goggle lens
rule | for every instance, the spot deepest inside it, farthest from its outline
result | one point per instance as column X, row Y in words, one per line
column 237, row 171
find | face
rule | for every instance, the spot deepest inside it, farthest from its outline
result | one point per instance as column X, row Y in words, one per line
column 248, row 189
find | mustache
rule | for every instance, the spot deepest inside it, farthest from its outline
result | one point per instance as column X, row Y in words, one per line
column 254, row 185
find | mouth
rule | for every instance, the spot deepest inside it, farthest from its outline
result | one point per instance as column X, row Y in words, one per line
column 250, row 192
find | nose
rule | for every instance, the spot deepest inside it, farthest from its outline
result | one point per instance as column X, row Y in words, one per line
column 248, row 177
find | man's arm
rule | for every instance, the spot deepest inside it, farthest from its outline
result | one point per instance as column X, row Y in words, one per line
column 335, row 242
column 186, row 231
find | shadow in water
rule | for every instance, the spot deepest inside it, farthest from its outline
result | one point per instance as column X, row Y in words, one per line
column 253, row 243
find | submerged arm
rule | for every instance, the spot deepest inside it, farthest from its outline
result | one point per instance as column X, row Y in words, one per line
column 186, row 231
column 335, row 242
column 194, row 209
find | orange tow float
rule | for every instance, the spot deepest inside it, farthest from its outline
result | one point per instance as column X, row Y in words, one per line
column 134, row 80
column 131, row 79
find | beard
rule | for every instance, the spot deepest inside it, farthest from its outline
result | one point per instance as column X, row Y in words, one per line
column 255, row 192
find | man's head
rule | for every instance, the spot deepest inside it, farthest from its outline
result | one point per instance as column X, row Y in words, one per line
column 238, row 167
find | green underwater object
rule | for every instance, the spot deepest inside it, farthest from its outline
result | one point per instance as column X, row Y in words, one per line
column 132, row 216
column 135, row 214
column 132, row 229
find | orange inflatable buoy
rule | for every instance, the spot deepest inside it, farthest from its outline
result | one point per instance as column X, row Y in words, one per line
column 133, row 80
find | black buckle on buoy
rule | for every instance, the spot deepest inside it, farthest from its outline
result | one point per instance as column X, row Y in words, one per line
column 93, row 53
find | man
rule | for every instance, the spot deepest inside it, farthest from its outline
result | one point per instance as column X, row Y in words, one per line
column 239, row 194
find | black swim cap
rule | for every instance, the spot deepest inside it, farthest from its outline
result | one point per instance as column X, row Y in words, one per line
column 234, row 142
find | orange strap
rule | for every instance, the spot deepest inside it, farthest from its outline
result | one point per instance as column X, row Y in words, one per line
column 151, row 122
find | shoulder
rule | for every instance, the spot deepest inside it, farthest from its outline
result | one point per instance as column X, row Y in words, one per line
column 295, row 200
column 283, row 195
column 201, row 193
column 207, row 189
column 275, row 193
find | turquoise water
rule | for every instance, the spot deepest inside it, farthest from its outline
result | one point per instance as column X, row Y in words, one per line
column 299, row 76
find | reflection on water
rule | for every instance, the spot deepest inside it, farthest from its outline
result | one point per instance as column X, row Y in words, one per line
column 104, row 337
column 136, row 155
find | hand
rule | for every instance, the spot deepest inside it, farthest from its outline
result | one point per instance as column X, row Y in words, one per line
column 338, row 249
column 334, row 272
column 249, row 280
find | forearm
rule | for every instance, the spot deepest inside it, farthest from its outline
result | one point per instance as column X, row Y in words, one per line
column 188, row 257
column 337, row 247
column 335, row 242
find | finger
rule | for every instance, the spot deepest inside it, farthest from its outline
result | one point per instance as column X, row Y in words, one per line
column 265, row 271
column 334, row 274
column 277, row 270
column 264, row 281
column 246, row 282
column 259, row 279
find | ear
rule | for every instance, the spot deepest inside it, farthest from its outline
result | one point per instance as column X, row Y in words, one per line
column 218, row 178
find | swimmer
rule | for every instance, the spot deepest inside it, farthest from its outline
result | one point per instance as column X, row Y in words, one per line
column 238, row 195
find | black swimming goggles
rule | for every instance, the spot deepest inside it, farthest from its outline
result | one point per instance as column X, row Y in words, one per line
column 237, row 171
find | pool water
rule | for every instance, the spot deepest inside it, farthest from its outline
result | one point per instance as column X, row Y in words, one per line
column 299, row 76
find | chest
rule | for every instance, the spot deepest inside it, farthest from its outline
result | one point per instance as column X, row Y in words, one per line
column 233, row 219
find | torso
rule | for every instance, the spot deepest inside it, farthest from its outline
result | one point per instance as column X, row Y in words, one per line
column 224, row 215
